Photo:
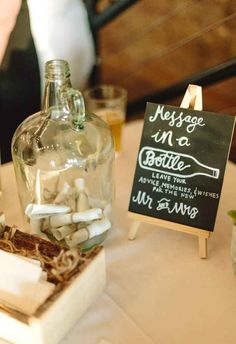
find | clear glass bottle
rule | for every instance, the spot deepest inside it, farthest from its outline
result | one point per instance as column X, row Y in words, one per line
column 63, row 160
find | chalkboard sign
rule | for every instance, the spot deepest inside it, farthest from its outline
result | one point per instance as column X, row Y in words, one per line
column 181, row 164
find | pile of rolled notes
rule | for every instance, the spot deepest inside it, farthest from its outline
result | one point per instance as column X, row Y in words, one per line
column 74, row 224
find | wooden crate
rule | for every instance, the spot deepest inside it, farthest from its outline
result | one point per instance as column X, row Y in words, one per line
column 52, row 321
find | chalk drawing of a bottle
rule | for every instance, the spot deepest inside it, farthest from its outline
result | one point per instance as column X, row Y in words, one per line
column 173, row 163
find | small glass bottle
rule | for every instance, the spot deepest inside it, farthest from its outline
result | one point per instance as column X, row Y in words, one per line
column 63, row 160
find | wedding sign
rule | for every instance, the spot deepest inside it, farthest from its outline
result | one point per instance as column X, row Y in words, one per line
column 181, row 165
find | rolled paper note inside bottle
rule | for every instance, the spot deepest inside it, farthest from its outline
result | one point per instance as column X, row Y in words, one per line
column 87, row 215
column 60, row 220
column 45, row 210
column 45, row 224
column 92, row 230
column 36, row 226
column 77, row 237
column 98, row 227
column 61, row 232
column 62, row 195
column 83, row 216
column 82, row 202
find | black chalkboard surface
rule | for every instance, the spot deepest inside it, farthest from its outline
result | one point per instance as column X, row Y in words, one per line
column 181, row 164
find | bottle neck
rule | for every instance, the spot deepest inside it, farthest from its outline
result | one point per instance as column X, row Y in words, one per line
column 53, row 91
column 57, row 76
column 60, row 99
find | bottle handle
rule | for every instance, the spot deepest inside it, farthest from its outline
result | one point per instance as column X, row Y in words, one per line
column 75, row 102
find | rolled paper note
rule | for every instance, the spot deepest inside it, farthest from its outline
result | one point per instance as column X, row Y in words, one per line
column 83, row 216
column 35, row 226
column 60, row 220
column 83, row 234
column 77, row 237
column 98, row 227
column 60, row 232
column 45, row 210
column 45, row 224
column 82, row 202
column 87, row 215
column 61, row 196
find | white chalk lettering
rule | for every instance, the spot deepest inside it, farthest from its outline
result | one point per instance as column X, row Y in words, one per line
column 174, row 163
column 178, row 208
column 183, row 141
column 143, row 198
column 162, row 137
column 177, row 119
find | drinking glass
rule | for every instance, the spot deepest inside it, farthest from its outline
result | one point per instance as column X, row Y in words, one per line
column 109, row 102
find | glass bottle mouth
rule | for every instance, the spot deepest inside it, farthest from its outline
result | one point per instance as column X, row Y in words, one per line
column 57, row 69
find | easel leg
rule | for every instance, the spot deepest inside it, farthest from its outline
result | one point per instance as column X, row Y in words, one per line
column 202, row 246
column 133, row 230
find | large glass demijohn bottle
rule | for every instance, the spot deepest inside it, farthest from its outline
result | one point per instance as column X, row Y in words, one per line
column 63, row 160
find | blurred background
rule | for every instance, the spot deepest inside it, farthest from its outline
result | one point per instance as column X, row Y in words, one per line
column 152, row 48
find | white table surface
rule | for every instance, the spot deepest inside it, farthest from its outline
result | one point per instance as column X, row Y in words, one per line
column 158, row 289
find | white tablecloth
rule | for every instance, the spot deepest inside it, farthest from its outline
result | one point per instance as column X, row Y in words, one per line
column 158, row 289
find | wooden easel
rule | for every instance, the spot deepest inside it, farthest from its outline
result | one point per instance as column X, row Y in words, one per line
column 192, row 100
